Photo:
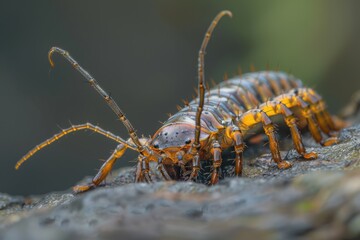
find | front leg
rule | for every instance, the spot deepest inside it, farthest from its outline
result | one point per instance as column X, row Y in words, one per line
column 162, row 170
column 104, row 170
column 143, row 170
column 195, row 167
column 216, row 152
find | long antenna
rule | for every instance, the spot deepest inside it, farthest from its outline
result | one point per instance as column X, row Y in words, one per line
column 201, row 75
column 108, row 99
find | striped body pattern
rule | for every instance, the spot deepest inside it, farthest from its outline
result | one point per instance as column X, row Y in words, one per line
column 233, row 97
column 238, row 105
column 217, row 120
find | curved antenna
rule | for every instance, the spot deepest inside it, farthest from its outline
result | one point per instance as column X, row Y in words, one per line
column 108, row 99
column 73, row 128
column 201, row 75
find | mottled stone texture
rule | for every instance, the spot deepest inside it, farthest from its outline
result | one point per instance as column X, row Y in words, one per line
column 317, row 199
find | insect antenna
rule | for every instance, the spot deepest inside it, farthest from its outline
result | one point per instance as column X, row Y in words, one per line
column 108, row 99
column 201, row 76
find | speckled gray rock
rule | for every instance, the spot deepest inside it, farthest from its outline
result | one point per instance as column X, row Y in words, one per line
column 314, row 199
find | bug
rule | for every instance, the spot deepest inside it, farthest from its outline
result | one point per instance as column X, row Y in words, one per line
column 217, row 120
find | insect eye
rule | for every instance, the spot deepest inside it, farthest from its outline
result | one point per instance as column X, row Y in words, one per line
column 187, row 141
column 156, row 145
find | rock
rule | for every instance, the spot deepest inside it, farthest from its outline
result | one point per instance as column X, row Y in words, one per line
column 7, row 200
column 314, row 199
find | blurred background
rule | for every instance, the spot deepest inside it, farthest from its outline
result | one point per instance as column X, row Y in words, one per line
column 145, row 54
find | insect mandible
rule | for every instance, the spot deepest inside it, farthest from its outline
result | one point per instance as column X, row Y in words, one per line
column 217, row 120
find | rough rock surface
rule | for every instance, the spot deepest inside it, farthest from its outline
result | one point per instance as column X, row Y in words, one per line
column 317, row 199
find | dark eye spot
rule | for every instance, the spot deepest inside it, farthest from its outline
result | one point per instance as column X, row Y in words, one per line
column 156, row 145
column 165, row 134
column 187, row 141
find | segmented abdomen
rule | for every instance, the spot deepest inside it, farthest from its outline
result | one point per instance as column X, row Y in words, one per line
column 232, row 97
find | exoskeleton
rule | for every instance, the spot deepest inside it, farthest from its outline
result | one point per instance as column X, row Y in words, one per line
column 215, row 121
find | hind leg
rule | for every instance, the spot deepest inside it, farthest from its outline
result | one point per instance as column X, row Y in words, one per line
column 313, row 126
column 318, row 106
column 290, row 121
column 273, row 108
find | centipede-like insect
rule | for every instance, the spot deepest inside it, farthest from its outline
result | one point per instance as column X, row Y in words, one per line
column 217, row 120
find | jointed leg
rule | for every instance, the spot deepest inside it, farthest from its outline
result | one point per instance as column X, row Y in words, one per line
column 104, row 170
column 216, row 152
column 273, row 143
column 318, row 109
column 143, row 170
column 195, row 167
column 71, row 129
column 253, row 117
column 239, row 146
column 290, row 121
column 278, row 106
column 325, row 120
column 318, row 106
column 162, row 170
column 313, row 125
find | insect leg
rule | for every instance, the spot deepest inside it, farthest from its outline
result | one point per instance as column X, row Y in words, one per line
column 195, row 167
column 71, row 129
column 290, row 121
column 108, row 99
column 239, row 146
column 147, row 171
column 325, row 120
column 273, row 143
column 318, row 107
column 216, row 152
column 139, row 177
column 142, row 173
column 162, row 170
column 313, row 125
column 104, row 170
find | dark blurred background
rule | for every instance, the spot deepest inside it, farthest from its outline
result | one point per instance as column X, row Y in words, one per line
column 145, row 54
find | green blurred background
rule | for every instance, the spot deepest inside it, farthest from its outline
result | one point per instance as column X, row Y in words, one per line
column 145, row 54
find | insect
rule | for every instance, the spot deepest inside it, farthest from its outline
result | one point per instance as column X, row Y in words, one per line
column 217, row 120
